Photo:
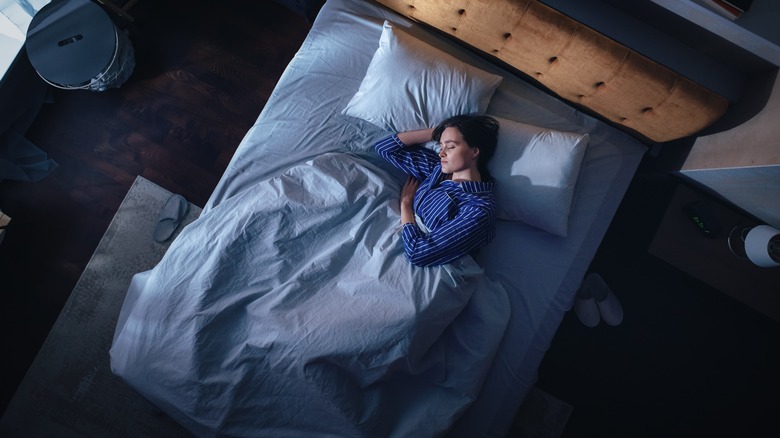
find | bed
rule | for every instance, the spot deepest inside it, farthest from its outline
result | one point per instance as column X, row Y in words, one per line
column 288, row 308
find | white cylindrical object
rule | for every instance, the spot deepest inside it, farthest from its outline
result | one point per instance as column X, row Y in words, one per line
column 757, row 245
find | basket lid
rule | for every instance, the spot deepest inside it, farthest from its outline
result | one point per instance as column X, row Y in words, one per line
column 70, row 42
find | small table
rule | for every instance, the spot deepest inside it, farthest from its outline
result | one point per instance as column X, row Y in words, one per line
column 709, row 259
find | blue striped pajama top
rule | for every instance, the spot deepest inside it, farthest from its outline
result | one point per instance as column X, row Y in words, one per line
column 459, row 216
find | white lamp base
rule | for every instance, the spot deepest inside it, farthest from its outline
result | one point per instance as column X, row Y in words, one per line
column 757, row 245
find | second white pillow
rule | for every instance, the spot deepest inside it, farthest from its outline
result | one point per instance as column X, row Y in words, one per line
column 536, row 171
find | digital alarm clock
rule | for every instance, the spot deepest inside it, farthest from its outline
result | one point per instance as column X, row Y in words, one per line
column 703, row 218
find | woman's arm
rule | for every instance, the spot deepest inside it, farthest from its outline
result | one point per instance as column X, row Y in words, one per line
column 470, row 229
column 416, row 137
column 413, row 159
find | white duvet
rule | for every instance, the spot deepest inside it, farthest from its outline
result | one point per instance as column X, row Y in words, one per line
column 289, row 309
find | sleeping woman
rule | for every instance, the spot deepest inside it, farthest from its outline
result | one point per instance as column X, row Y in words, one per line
column 447, row 202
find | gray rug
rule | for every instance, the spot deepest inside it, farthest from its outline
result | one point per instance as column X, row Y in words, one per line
column 69, row 390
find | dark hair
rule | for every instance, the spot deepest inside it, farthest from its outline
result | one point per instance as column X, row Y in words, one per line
column 479, row 131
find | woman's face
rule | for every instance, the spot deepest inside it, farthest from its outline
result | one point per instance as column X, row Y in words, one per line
column 455, row 153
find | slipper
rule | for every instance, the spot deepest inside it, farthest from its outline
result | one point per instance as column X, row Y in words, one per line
column 171, row 215
column 607, row 302
column 585, row 307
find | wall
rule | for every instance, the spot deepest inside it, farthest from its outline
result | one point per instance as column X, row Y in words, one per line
column 742, row 164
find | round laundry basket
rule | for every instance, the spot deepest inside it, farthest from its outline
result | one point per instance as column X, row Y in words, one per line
column 74, row 45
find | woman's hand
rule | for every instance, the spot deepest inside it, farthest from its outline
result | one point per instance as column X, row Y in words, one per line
column 407, row 200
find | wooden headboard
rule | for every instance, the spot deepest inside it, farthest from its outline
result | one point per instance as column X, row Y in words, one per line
column 577, row 63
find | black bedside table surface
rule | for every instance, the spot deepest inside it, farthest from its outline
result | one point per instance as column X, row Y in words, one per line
column 680, row 243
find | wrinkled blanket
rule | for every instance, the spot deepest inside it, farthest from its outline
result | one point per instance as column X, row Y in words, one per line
column 290, row 310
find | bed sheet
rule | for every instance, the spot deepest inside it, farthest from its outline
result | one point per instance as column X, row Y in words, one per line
column 290, row 310
column 540, row 272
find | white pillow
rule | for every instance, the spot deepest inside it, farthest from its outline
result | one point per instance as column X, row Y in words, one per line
column 536, row 171
column 412, row 85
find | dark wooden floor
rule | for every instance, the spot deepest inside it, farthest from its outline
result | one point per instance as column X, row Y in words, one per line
column 688, row 360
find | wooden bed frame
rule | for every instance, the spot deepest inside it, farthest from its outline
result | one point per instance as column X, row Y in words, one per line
column 576, row 63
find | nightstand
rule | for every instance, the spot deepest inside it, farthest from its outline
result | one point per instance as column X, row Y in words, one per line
column 679, row 242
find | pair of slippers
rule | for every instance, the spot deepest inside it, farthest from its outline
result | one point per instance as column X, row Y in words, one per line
column 171, row 216
column 596, row 302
